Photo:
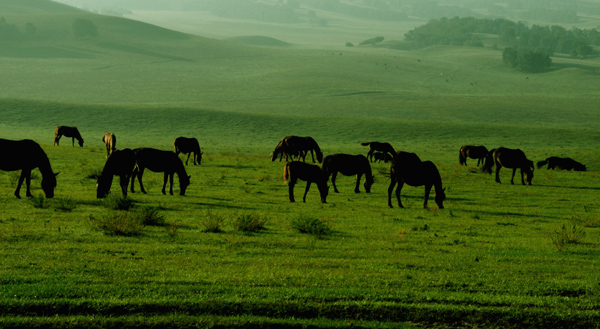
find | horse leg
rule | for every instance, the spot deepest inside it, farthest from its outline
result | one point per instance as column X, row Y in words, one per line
column 498, row 166
column 139, row 176
column 166, row 177
column 188, row 158
column 291, row 184
column 357, row 187
column 427, row 191
column 370, row 155
column 171, row 175
column 73, row 140
column 398, row 190
column 512, row 179
column 124, row 181
column 306, row 191
column 23, row 175
column 333, row 176
column 57, row 139
column 391, row 190
column 522, row 176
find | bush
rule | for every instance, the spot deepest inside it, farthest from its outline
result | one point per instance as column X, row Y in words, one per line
column 371, row 41
column 117, row 203
column 249, row 223
column 82, row 28
column 39, row 202
column 568, row 234
column 311, row 225
column 212, row 223
column 119, row 223
column 66, row 204
column 150, row 216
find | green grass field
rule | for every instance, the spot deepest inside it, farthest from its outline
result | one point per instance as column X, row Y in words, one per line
column 498, row 255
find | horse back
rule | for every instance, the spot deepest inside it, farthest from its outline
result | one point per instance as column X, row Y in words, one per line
column 347, row 164
column 306, row 172
column 512, row 158
column 120, row 162
column 21, row 154
column 187, row 145
column 157, row 160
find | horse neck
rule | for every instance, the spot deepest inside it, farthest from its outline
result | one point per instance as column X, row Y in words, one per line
column 44, row 165
column 180, row 169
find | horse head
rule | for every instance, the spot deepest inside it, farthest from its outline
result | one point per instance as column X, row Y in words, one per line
column 184, row 182
column 48, row 185
column 103, row 185
column 440, row 196
column 80, row 142
column 323, row 191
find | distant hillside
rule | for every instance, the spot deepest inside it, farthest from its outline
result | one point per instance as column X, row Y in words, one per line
column 11, row 7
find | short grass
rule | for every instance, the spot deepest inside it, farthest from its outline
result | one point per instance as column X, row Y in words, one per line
column 496, row 256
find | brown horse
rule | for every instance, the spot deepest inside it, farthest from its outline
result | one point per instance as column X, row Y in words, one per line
column 509, row 158
column 408, row 168
column 299, row 146
column 67, row 132
column 473, row 152
column 159, row 161
column 120, row 163
column 562, row 163
column 111, row 143
column 386, row 157
column 380, row 147
column 26, row 155
column 292, row 171
column 188, row 146
column 348, row 165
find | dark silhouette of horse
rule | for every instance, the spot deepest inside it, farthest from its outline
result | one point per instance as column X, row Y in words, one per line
column 111, row 143
column 283, row 150
column 509, row 158
column 159, row 161
column 408, row 168
column 188, row 146
column 67, row 132
column 378, row 147
column 386, row 157
column 26, row 155
column 295, row 170
column 473, row 152
column 348, row 165
column 120, row 163
column 297, row 146
column 562, row 163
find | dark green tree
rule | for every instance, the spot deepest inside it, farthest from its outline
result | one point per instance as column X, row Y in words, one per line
column 82, row 28
column 510, row 56
column 533, row 61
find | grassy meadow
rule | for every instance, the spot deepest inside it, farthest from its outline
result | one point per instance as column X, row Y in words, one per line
column 498, row 255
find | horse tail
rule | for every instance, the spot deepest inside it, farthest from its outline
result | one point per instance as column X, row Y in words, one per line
column 540, row 164
column 365, row 143
column 461, row 156
column 489, row 162
column 286, row 172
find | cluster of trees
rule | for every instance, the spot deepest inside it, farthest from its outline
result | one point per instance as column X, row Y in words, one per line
column 462, row 32
column 10, row 32
column 533, row 61
column 84, row 28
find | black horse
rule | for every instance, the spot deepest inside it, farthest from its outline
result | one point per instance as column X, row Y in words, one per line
column 473, row 152
column 120, row 163
column 386, row 157
column 295, row 170
column 67, row 132
column 188, row 146
column 348, row 165
column 408, row 168
column 159, row 161
column 562, row 163
column 379, row 147
column 299, row 146
column 509, row 158
column 26, row 155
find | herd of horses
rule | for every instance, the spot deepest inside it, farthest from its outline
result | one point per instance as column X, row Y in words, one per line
column 406, row 168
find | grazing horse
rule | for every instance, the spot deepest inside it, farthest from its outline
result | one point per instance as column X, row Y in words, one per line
column 299, row 146
column 159, row 161
column 67, row 132
column 111, row 143
column 378, row 146
column 408, row 168
column 473, row 152
column 292, row 171
column 509, row 158
column 348, row 165
column 188, row 146
column 120, row 163
column 386, row 157
column 562, row 163
column 26, row 155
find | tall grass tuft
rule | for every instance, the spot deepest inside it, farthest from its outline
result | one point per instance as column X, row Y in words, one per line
column 249, row 223
column 66, row 204
column 150, row 216
column 118, row 202
column 119, row 223
column 567, row 234
column 213, row 223
column 39, row 202
column 311, row 225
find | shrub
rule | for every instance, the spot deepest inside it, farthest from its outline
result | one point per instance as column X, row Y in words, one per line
column 213, row 222
column 118, row 203
column 82, row 28
column 249, row 223
column 119, row 223
column 316, row 226
column 150, row 216
column 66, row 204
column 39, row 202
column 567, row 234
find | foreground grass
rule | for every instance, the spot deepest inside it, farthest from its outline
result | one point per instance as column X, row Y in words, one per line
column 488, row 258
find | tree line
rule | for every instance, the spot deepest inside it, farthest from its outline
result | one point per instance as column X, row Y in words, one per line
column 533, row 43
